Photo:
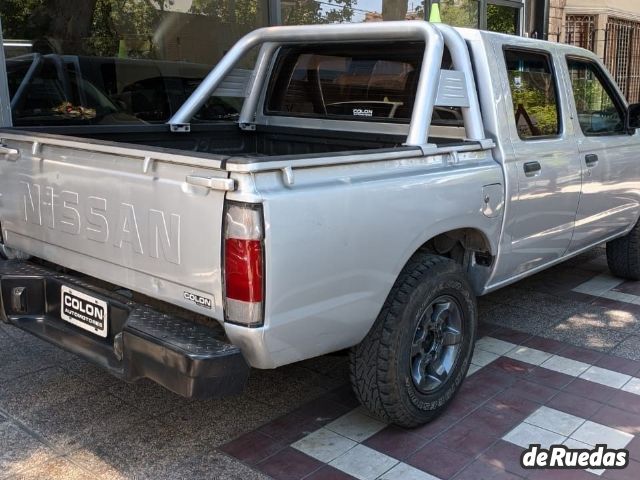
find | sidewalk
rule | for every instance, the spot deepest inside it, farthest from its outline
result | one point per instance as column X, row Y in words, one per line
column 561, row 348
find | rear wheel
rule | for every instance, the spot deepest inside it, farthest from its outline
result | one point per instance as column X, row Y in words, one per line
column 623, row 255
column 412, row 362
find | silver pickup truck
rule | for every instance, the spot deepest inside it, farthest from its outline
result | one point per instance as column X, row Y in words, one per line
column 379, row 178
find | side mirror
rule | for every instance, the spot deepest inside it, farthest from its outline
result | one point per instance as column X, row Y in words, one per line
column 633, row 116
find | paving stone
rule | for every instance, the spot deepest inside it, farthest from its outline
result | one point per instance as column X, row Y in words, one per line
column 506, row 456
column 585, row 389
column 631, row 472
column 91, row 373
column 549, row 378
column 528, row 355
column 628, row 348
column 605, row 318
column 525, row 434
column 218, row 421
column 619, row 364
column 480, row 470
column 632, row 386
column 91, row 416
column 555, row 421
column 575, row 405
column 364, row 463
column 39, row 389
column 533, row 391
column 593, row 433
column 482, row 358
column 510, row 335
column 6, row 340
column 253, row 447
column 595, row 337
column 619, row 419
column 448, row 462
column 402, row 471
column 140, row 450
column 285, row 386
column 15, row 334
column 567, row 366
column 527, row 321
column 538, row 302
column 20, row 450
column 329, row 473
column 289, row 464
column 156, row 399
column 605, row 377
column 357, row 425
column 494, row 345
column 54, row 470
column 466, row 438
column 545, row 344
column 324, row 445
column 581, row 354
column 199, row 464
column 23, row 365
column 396, row 442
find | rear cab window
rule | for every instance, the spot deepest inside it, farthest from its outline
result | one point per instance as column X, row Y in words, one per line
column 533, row 86
column 369, row 82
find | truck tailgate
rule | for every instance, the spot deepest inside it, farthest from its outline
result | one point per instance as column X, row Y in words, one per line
column 145, row 219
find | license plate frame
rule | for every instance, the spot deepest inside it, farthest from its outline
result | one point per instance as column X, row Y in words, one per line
column 84, row 311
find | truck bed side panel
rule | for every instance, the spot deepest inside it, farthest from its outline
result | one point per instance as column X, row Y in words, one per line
column 339, row 236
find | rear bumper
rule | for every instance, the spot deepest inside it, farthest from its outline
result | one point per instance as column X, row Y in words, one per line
column 187, row 358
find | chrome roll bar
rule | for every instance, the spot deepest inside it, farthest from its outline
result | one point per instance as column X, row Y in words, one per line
column 270, row 38
column 462, row 62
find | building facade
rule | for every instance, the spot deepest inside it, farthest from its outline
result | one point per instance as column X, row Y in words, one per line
column 610, row 28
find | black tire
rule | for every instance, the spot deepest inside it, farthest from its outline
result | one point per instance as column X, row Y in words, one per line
column 382, row 365
column 623, row 255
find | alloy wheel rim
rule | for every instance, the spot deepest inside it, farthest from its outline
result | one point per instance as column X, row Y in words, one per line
column 436, row 344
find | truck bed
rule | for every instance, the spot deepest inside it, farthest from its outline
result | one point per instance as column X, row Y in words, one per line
column 225, row 138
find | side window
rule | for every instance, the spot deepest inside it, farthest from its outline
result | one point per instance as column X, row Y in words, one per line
column 598, row 113
column 533, row 90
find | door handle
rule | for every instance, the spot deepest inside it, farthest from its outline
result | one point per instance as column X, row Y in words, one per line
column 591, row 160
column 532, row 168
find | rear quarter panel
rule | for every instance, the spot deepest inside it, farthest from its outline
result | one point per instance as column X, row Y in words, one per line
column 337, row 239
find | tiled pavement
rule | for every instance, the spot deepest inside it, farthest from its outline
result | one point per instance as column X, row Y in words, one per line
column 558, row 361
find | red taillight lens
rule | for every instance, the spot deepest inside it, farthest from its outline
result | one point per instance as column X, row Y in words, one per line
column 243, row 269
column 244, row 264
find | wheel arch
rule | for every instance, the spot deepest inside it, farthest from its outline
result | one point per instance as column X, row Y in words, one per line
column 470, row 247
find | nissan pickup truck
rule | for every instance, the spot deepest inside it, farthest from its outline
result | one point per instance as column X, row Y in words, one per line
column 378, row 179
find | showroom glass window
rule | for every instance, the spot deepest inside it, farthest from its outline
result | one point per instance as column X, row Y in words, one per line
column 118, row 62
column 460, row 13
column 504, row 16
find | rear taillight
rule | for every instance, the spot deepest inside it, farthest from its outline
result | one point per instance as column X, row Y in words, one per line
column 244, row 264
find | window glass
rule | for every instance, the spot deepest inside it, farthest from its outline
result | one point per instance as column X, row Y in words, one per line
column 90, row 62
column 460, row 13
column 503, row 19
column 372, row 82
column 302, row 12
column 598, row 113
column 533, row 90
